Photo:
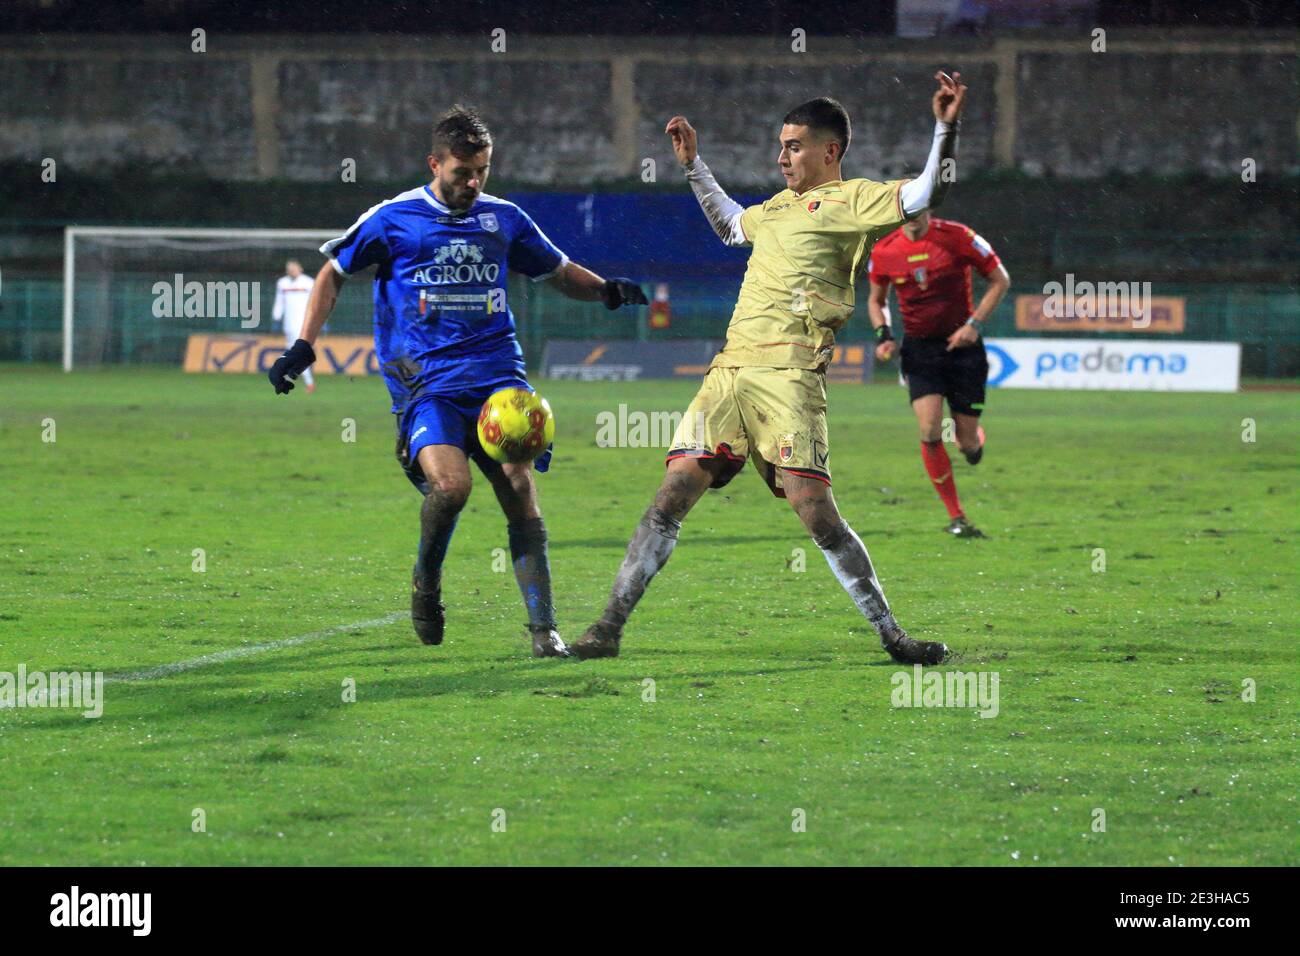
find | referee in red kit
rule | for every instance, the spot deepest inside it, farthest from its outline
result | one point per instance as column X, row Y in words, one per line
column 927, row 262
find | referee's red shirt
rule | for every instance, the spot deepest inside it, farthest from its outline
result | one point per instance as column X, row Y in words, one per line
column 931, row 276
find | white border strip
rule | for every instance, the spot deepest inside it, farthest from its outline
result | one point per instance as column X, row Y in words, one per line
column 235, row 653
column 195, row 233
column 69, row 271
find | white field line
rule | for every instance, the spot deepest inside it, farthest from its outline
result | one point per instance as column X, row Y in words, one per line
column 234, row 653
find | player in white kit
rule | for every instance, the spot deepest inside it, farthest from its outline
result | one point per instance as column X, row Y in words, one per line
column 291, row 294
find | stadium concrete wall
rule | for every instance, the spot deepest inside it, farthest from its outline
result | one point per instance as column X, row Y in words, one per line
column 587, row 110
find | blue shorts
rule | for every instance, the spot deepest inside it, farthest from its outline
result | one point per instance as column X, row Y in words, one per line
column 447, row 420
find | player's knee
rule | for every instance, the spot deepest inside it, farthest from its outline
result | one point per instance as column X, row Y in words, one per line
column 517, row 495
column 681, row 488
column 521, row 482
column 819, row 515
column 830, row 535
column 450, row 493
column 672, row 501
column 929, row 419
column 824, row 527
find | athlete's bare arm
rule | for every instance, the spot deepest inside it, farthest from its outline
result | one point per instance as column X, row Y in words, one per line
column 324, row 293
column 999, row 281
column 878, row 311
column 578, row 282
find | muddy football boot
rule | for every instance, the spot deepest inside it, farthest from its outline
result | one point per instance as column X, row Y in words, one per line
column 601, row 640
column 426, row 613
column 547, row 642
column 905, row 650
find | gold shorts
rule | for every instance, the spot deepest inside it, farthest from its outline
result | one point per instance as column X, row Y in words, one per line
column 777, row 416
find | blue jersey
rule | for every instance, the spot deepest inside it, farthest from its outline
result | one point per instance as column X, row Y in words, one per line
column 442, row 324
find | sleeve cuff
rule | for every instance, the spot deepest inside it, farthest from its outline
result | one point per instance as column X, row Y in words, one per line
column 564, row 261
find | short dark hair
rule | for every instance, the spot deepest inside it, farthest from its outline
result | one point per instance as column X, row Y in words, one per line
column 461, row 132
column 823, row 115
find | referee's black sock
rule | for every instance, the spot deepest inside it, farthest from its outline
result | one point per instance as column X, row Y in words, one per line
column 532, row 570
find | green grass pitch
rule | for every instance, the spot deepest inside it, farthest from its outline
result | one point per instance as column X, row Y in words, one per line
column 1120, row 691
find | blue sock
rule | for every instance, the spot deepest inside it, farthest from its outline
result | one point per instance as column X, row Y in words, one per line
column 532, row 570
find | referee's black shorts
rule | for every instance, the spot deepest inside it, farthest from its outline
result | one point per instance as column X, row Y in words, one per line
column 959, row 375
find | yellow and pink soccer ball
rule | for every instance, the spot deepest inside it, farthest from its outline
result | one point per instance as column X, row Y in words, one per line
column 515, row 425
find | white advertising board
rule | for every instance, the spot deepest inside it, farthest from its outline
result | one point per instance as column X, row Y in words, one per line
column 1141, row 365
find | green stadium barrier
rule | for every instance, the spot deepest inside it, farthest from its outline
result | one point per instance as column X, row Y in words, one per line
column 1265, row 319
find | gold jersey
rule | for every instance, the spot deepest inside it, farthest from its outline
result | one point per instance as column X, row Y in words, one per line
column 798, row 287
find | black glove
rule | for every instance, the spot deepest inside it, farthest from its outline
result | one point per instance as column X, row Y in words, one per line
column 623, row 292
column 290, row 365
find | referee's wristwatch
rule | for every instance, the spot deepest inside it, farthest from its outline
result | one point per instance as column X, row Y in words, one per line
column 979, row 326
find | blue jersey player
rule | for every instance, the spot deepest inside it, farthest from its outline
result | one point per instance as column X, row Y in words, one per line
column 445, row 341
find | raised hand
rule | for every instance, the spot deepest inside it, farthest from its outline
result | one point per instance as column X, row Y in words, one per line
column 948, row 98
column 683, row 136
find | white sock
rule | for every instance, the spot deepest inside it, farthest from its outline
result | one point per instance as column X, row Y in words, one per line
column 848, row 558
column 647, row 553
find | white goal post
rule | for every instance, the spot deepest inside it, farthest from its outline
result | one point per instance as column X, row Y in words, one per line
column 122, row 260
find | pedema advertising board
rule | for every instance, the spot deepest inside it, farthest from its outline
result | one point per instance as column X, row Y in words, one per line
column 1128, row 364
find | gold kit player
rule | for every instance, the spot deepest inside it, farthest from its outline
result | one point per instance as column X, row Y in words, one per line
column 764, row 396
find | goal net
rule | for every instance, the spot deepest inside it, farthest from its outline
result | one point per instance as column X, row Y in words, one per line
column 136, row 295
